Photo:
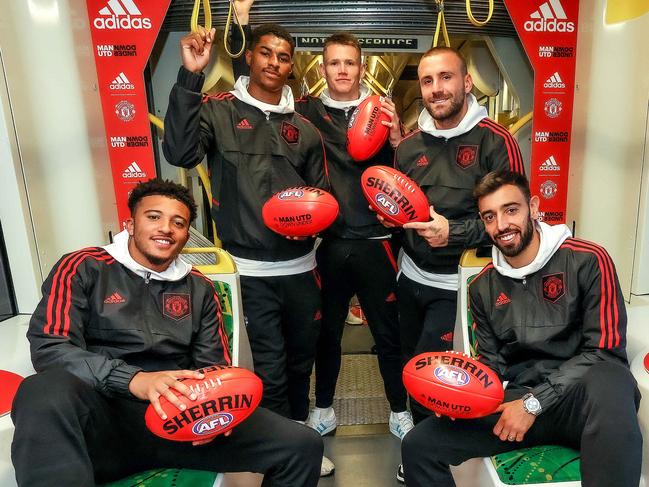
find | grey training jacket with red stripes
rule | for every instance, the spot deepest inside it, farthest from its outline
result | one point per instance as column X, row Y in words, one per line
column 104, row 323
column 546, row 330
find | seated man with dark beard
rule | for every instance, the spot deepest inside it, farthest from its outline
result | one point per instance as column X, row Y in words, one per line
column 558, row 336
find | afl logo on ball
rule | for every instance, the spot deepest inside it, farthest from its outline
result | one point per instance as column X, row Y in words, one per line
column 466, row 155
column 176, row 306
column 387, row 204
column 452, row 375
column 553, row 287
column 290, row 194
column 212, row 424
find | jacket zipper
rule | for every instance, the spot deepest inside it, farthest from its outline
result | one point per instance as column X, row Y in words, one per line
column 147, row 278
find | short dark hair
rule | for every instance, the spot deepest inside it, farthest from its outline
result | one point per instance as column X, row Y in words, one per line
column 442, row 49
column 163, row 188
column 272, row 29
column 493, row 181
column 343, row 39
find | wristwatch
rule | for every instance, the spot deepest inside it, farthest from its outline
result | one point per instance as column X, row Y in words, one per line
column 531, row 404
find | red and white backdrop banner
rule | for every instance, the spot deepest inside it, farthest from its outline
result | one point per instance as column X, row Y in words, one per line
column 123, row 34
column 548, row 32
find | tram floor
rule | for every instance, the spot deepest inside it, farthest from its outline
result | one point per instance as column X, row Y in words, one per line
column 363, row 450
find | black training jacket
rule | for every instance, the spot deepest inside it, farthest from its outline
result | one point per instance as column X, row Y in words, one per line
column 447, row 170
column 545, row 331
column 104, row 323
column 356, row 220
column 250, row 157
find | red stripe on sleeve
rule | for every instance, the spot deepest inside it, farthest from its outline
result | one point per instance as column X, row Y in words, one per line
column 609, row 318
column 58, row 290
column 513, row 151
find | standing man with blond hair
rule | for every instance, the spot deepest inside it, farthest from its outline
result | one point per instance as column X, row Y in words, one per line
column 356, row 255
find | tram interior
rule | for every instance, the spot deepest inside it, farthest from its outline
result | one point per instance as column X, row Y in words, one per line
column 363, row 450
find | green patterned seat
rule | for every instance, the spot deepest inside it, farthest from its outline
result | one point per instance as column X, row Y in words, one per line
column 168, row 477
column 546, row 464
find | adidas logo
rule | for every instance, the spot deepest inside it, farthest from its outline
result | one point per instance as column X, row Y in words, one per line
column 244, row 124
column 502, row 300
column 133, row 171
column 554, row 81
column 550, row 17
column 422, row 161
column 121, row 14
column 121, row 83
column 550, row 164
column 114, row 298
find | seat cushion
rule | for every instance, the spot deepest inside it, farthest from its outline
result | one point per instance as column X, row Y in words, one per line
column 167, row 477
column 537, row 465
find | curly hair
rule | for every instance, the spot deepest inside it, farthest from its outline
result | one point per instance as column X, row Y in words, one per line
column 163, row 188
column 275, row 30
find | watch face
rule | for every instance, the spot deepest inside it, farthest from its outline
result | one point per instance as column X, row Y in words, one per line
column 532, row 404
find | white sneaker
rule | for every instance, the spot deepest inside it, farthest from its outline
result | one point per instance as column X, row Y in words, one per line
column 400, row 477
column 327, row 467
column 401, row 423
column 323, row 420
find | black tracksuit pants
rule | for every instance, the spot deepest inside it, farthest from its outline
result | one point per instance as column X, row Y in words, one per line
column 596, row 416
column 427, row 320
column 367, row 268
column 68, row 434
column 283, row 317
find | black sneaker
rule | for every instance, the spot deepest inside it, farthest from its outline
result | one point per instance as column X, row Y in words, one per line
column 400, row 478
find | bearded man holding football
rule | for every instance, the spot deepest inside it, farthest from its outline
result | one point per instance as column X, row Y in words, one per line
column 549, row 319
column 356, row 255
column 118, row 328
column 454, row 146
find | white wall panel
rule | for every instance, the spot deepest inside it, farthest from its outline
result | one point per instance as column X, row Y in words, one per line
column 612, row 81
column 52, row 91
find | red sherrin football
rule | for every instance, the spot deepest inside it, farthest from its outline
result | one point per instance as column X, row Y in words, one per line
column 453, row 384
column 394, row 196
column 365, row 132
column 301, row 211
column 225, row 397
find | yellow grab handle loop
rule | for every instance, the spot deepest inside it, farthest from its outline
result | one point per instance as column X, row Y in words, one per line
column 441, row 23
column 226, row 32
column 193, row 23
column 475, row 21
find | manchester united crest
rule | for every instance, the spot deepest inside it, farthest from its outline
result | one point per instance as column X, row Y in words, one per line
column 290, row 133
column 553, row 287
column 466, row 155
column 176, row 306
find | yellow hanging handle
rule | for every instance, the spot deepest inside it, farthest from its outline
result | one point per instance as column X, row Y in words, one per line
column 475, row 21
column 193, row 23
column 226, row 32
column 441, row 24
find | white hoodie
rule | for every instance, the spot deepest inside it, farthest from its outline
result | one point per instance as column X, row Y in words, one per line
column 119, row 250
column 286, row 102
column 344, row 105
column 475, row 112
column 552, row 236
